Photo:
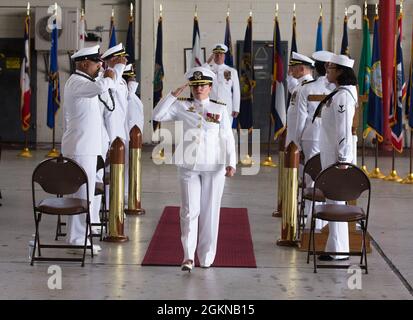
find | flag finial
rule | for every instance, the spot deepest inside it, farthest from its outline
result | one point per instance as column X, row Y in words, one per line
column 401, row 6
column 131, row 10
column 294, row 9
column 113, row 12
column 345, row 11
column 196, row 11
column 377, row 9
column 82, row 12
column 250, row 9
column 365, row 8
column 55, row 8
column 28, row 8
column 228, row 10
column 276, row 10
column 160, row 10
column 321, row 9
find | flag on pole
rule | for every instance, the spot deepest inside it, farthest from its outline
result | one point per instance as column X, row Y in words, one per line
column 278, row 108
column 112, row 32
column 130, row 42
column 196, row 45
column 159, row 72
column 82, row 30
column 25, row 78
column 344, row 41
column 319, row 39
column 229, row 57
column 53, row 98
column 364, row 70
column 399, row 93
column 409, row 93
column 375, row 103
column 294, row 36
column 247, row 82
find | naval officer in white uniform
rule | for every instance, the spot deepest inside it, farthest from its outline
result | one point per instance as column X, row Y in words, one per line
column 336, row 139
column 134, row 114
column 300, row 68
column 82, row 140
column 208, row 151
column 226, row 85
column 307, row 131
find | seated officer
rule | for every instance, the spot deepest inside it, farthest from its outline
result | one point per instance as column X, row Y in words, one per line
column 205, row 157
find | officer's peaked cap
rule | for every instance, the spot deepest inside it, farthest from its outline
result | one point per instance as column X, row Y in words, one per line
column 87, row 53
column 117, row 50
column 297, row 58
column 200, row 76
column 220, row 48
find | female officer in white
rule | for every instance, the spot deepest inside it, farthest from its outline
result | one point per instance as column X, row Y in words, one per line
column 336, row 140
column 205, row 157
column 82, row 140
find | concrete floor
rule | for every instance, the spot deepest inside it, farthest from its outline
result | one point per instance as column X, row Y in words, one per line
column 282, row 273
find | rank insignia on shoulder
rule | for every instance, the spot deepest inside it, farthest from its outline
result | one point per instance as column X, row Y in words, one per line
column 307, row 82
column 184, row 99
column 218, row 102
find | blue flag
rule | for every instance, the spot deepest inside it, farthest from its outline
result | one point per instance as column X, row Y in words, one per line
column 399, row 94
column 247, row 82
column 159, row 72
column 409, row 93
column 375, row 102
column 112, row 33
column 319, row 39
column 229, row 58
column 344, row 41
column 53, row 97
column 130, row 43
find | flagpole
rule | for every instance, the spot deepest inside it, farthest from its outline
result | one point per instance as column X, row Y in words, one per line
column 409, row 178
column 53, row 153
column 376, row 173
column 268, row 160
column 25, row 153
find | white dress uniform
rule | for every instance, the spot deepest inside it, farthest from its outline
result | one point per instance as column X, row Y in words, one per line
column 226, row 84
column 135, row 114
column 336, row 144
column 82, row 140
column 307, row 131
column 207, row 149
column 292, row 111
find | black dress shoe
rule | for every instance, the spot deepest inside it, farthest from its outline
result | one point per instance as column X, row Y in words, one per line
column 325, row 257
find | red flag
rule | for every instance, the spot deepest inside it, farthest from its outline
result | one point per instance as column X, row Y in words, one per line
column 387, row 31
column 25, row 79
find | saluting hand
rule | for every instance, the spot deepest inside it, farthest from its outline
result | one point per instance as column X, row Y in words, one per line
column 178, row 91
column 109, row 74
column 230, row 171
column 210, row 58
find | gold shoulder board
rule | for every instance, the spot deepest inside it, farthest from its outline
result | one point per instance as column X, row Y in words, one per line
column 218, row 102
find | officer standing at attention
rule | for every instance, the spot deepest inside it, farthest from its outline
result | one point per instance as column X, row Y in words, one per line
column 134, row 114
column 300, row 67
column 204, row 164
column 82, row 140
column 336, row 139
column 308, row 132
column 226, row 86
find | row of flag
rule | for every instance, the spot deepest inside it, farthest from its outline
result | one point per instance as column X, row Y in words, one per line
column 369, row 76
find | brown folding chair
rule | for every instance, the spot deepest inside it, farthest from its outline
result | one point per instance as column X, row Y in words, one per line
column 341, row 182
column 312, row 167
column 60, row 176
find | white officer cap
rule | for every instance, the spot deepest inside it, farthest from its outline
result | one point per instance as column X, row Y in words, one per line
column 220, row 48
column 129, row 71
column 87, row 53
column 323, row 56
column 117, row 50
column 342, row 60
column 200, row 76
column 297, row 58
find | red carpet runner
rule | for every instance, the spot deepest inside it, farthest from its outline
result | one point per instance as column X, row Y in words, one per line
column 234, row 249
